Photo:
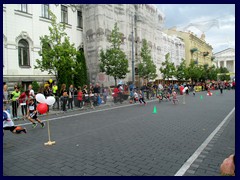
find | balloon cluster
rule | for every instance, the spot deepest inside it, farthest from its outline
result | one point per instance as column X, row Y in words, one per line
column 43, row 106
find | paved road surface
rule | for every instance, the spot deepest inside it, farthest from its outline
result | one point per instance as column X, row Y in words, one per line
column 127, row 141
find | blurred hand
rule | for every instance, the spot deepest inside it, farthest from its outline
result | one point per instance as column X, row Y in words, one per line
column 228, row 166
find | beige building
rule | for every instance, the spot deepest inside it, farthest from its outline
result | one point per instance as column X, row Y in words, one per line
column 196, row 49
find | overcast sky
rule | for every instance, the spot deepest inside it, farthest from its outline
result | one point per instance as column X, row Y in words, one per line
column 221, row 37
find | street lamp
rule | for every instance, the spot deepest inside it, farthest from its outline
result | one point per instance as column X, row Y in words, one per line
column 133, row 68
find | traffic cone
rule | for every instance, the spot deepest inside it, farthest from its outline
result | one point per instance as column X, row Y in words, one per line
column 155, row 110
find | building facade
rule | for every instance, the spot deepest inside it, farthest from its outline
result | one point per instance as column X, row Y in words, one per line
column 196, row 49
column 88, row 27
column 23, row 25
column 226, row 58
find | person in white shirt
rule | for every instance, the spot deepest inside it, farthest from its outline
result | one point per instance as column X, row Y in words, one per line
column 31, row 91
column 160, row 86
column 91, row 96
column 8, row 124
column 135, row 95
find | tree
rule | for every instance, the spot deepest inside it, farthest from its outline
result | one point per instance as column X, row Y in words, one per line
column 193, row 72
column 212, row 73
column 80, row 70
column 204, row 72
column 223, row 77
column 35, row 86
column 58, row 54
column 146, row 68
column 114, row 61
column 167, row 68
column 181, row 71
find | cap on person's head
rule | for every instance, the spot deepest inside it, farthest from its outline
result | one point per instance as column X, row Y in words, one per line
column 31, row 98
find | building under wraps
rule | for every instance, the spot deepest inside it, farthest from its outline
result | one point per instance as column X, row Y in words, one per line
column 146, row 21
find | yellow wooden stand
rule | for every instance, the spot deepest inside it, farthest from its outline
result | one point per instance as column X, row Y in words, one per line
column 49, row 143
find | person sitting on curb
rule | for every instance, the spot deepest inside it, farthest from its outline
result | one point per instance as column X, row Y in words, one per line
column 8, row 124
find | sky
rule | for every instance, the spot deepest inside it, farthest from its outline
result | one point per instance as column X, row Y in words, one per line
column 220, row 36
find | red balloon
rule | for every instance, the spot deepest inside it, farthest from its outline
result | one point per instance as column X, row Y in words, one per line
column 42, row 108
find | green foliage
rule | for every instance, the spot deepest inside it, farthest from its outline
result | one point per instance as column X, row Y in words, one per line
column 20, row 86
column 193, row 72
column 203, row 73
column 181, row 71
column 223, row 77
column 146, row 68
column 35, row 86
column 114, row 61
column 58, row 55
column 80, row 70
column 212, row 73
column 167, row 69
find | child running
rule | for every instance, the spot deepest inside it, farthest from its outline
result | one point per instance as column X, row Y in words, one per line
column 194, row 92
column 174, row 94
column 141, row 98
column 135, row 96
column 209, row 93
column 32, row 114
column 8, row 124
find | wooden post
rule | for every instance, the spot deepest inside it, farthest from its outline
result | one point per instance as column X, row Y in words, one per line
column 49, row 143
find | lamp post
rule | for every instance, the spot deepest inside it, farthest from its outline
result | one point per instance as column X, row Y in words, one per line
column 133, row 68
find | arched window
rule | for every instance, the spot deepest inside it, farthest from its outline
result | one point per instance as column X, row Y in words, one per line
column 23, row 53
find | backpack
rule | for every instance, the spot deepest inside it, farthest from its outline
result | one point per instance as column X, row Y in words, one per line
column 5, row 116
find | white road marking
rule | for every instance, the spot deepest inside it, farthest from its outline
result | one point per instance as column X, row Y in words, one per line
column 195, row 155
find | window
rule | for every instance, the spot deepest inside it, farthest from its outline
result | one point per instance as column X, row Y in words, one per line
column 23, row 7
column 45, row 9
column 64, row 14
column 79, row 18
column 23, row 53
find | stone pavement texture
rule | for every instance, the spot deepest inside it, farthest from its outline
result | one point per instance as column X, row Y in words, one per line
column 126, row 141
column 221, row 146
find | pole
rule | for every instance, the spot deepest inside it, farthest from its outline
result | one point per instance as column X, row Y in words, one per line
column 184, row 102
column 49, row 143
column 133, row 68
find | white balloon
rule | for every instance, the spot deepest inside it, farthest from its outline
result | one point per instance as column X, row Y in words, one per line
column 50, row 100
column 40, row 98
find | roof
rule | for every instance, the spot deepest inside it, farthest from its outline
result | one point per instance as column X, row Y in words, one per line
column 224, row 50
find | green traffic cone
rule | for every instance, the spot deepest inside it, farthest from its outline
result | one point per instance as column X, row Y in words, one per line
column 155, row 110
column 201, row 97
